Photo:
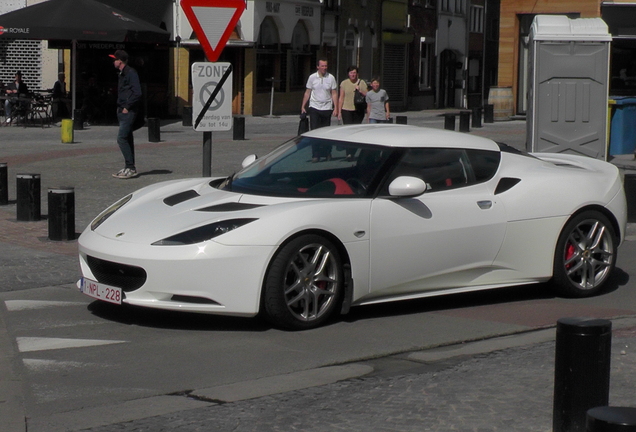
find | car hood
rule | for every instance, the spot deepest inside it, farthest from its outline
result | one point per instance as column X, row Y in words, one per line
column 162, row 210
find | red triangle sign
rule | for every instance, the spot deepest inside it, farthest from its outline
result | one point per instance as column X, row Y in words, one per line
column 213, row 22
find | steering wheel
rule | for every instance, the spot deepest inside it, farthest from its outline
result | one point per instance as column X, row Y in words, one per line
column 357, row 186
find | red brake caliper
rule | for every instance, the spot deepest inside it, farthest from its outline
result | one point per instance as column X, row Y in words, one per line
column 569, row 253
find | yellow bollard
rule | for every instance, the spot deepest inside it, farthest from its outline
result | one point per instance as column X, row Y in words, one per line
column 67, row 130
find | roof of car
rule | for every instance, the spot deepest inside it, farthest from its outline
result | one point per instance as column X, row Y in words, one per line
column 394, row 135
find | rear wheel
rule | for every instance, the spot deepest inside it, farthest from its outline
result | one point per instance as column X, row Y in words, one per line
column 585, row 255
column 304, row 284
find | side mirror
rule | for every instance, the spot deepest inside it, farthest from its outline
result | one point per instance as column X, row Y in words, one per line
column 249, row 160
column 407, row 186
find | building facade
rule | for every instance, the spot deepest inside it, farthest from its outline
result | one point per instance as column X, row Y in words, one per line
column 424, row 51
column 515, row 19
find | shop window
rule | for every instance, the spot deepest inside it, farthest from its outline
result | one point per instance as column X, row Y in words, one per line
column 351, row 47
column 427, row 62
column 268, row 56
column 477, row 19
column 300, row 66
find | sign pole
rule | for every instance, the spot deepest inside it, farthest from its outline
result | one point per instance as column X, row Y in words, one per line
column 212, row 22
column 207, row 154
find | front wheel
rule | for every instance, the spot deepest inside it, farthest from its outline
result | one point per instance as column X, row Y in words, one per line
column 585, row 255
column 304, row 284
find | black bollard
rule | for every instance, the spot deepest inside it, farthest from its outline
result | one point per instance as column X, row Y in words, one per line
column 186, row 116
column 449, row 121
column 476, row 117
column 611, row 419
column 78, row 121
column 629, row 183
column 61, row 213
column 239, row 128
column 464, row 121
column 4, row 184
column 581, row 371
column 400, row 119
column 154, row 131
column 28, row 197
column 489, row 113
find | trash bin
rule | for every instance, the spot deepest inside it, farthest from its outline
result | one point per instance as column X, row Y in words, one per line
column 623, row 125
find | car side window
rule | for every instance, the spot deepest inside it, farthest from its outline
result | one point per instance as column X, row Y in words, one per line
column 440, row 168
column 484, row 163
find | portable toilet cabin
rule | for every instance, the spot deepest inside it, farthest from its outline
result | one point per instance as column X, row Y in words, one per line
column 568, row 86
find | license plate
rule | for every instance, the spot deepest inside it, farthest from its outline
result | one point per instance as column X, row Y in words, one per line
column 101, row 291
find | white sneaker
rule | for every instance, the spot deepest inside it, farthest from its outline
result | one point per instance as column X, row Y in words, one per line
column 126, row 173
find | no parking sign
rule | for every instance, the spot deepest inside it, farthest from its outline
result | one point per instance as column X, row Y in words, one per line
column 212, row 96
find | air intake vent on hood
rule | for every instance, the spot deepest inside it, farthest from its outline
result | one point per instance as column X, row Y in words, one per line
column 180, row 197
column 228, row 207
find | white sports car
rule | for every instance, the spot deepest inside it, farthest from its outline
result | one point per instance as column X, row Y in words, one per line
column 353, row 215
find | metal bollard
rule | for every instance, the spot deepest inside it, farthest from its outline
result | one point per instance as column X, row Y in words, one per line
column 154, row 132
column 611, row 419
column 629, row 183
column 400, row 120
column 489, row 113
column 239, row 128
column 476, row 117
column 61, row 203
column 28, row 197
column 449, row 121
column 4, row 184
column 581, row 371
column 464, row 121
column 78, row 121
column 186, row 116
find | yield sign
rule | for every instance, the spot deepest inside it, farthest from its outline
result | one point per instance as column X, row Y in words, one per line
column 213, row 22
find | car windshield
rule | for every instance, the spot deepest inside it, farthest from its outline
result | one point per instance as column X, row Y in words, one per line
column 312, row 168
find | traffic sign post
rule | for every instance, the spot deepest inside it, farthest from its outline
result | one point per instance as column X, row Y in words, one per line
column 212, row 22
column 212, row 96
column 212, row 104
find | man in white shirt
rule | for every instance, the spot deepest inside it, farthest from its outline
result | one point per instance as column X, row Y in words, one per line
column 322, row 96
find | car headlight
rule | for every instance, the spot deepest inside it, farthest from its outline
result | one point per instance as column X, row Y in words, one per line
column 109, row 212
column 203, row 233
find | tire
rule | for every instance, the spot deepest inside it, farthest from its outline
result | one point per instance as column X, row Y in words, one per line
column 585, row 255
column 304, row 283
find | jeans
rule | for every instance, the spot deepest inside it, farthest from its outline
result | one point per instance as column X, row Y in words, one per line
column 371, row 121
column 125, row 137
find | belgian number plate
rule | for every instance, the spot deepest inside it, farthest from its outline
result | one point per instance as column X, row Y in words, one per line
column 100, row 291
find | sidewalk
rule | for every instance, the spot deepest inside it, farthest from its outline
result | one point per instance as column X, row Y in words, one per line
column 503, row 384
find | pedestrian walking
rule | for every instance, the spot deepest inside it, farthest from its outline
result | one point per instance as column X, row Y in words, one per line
column 351, row 89
column 58, row 98
column 322, row 96
column 128, row 98
column 377, row 103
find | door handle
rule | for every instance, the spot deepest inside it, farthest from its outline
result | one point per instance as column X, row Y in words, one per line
column 484, row 205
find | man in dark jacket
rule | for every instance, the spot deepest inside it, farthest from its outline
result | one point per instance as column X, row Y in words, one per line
column 128, row 99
